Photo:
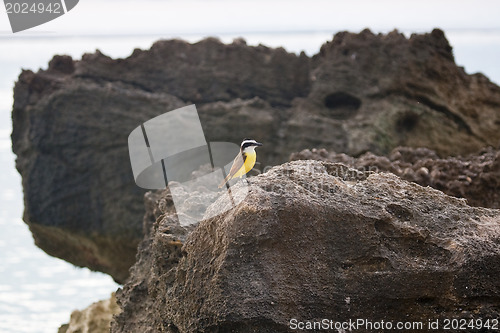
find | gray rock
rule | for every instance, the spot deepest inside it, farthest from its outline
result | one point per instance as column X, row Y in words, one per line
column 316, row 240
column 71, row 124
column 362, row 92
column 81, row 202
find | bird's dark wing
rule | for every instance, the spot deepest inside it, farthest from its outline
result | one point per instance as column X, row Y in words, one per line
column 237, row 164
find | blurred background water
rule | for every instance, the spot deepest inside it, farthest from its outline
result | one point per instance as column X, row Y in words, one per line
column 38, row 292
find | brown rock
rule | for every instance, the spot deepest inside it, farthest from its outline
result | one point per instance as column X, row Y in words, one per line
column 475, row 177
column 376, row 92
column 94, row 319
column 318, row 240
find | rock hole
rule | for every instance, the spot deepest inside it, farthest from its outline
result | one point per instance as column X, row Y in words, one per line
column 407, row 122
column 341, row 105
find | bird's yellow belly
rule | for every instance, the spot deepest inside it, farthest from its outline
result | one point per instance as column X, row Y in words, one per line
column 247, row 166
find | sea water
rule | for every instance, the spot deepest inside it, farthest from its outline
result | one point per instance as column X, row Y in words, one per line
column 38, row 292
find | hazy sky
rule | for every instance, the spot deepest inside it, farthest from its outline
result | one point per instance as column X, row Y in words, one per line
column 217, row 16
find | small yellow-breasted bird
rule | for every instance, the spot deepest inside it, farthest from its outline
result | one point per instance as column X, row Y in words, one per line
column 244, row 161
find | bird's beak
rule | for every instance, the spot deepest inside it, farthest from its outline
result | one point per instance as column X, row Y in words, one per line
column 258, row 144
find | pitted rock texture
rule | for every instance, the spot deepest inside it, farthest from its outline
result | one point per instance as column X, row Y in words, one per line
column 96, row 318
column 361, row 92
column 475, row 177
column 316, row 240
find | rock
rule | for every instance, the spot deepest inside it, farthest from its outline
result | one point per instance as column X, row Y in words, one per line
column 206, row 71
column 70, row 137
column 71, row 124
column 475, row 177
column 94, row 319
column 376, row 92
column 316, row 240
column 362, row 92
column 160, row 250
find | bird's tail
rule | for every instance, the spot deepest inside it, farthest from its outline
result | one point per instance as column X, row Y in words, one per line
column 224, row 181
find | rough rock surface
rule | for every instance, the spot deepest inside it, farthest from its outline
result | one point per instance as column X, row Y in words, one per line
column 374, row 93
column 475, row 177
column 315, row 240
column 70, row 137
column 361, row 92
column 94, row 319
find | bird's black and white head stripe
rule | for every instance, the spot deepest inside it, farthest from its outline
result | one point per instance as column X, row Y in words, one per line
column 247, row 143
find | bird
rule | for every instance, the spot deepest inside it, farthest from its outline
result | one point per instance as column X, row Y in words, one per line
column 244, row 161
